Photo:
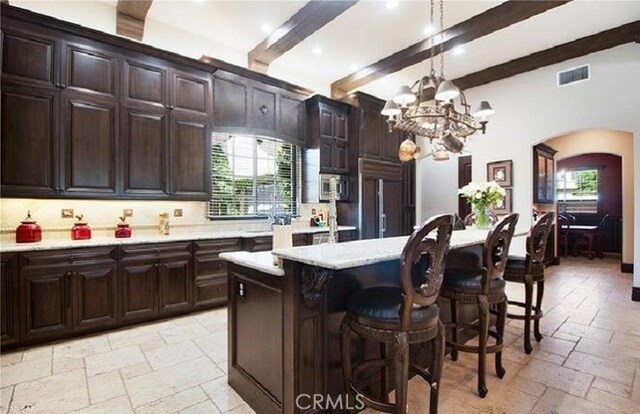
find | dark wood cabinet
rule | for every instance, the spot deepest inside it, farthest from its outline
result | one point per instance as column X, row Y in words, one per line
column 544, row 177
column 408, row 197
column 30, row 147
column 95, row 293
column 175, row 284
column 328, row 132
column 258, row 244
column 382, row 195
column 9, row 299
column 46, row 301
column 90, row 128
column 138, row 289
column 30, row 58
column 210, row 272
column 144, row 139
column 112, row 122
column 248, row 106
column 189, row 170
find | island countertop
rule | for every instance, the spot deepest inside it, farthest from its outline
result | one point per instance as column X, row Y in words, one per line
column 261, row 261
column 368, row 252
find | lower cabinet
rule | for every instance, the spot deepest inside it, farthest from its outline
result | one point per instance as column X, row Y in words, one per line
column 95, row 293
column 138, row 289
column 210, row 281
column 9, row 291
column 175, row 285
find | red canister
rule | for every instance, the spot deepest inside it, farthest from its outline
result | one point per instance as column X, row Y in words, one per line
column 80, row 230
column 28, row 231
column 123, row 231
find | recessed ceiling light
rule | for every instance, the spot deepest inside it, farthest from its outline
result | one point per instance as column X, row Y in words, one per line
column 458, row 50
column 199, row 1
column 317, row 50
column 392, row 4
column 354, row 67
column 266, row 28
column 429, row 30
column 385, row 80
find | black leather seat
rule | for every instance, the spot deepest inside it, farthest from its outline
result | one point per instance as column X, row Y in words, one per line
column 470, row 281
column 517, row 268
column 380, row 306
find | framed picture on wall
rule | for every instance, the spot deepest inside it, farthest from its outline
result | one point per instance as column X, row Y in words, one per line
column 501, row 172
column 505, row 205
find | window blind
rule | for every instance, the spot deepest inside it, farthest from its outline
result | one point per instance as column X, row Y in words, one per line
column 578, row 191
column 253, row 176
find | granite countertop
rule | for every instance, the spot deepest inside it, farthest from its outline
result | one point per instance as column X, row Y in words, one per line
column 261, row 261
column 7, row 246
column 367, row 252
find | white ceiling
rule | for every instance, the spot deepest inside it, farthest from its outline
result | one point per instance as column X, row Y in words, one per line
column 363, row 34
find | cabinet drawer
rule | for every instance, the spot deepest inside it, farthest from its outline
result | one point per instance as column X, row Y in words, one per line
column 214, row 247
column 157, row 251
column 211, row 292
column 207, row 267
column 258, row 244
column 89, row 255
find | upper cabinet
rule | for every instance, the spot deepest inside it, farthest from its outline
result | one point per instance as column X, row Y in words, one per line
column 375, row 142
column 248, row 106
column 544, row 178
column 111, row 122
column 328, row 134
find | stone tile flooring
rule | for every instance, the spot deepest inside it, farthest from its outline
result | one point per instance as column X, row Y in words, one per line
column 588, row 361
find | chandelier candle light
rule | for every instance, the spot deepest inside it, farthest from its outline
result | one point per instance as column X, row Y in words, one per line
column 482, row 196
column 415, row 111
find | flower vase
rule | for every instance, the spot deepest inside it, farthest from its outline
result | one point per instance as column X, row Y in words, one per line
column 481, row 217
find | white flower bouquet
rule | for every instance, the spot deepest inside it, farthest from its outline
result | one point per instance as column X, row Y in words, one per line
column 482, row 196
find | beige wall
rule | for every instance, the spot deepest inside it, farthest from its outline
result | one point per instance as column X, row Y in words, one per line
column 611, row 142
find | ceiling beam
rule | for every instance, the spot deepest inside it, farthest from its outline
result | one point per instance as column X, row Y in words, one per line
column 487, row 22
column 627, row 33
column 131, row 15
column 311, row 17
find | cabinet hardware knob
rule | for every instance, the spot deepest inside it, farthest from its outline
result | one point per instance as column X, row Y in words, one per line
column 264, row 109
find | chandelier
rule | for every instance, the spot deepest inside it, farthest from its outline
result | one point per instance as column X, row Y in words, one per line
column 428, row 109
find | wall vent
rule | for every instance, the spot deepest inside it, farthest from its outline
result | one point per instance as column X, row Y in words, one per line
column 574, row 75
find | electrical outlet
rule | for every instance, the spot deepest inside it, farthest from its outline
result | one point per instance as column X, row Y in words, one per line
column 67, row 213
column 127, row 212
column 177, row 212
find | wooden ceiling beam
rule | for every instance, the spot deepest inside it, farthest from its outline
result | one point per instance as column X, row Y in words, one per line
column 487, row 22
column 627, row 33
column 306, row 21
column 131, row 15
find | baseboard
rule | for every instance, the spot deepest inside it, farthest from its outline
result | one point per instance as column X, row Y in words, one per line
column 626, row 268
column 635, row 294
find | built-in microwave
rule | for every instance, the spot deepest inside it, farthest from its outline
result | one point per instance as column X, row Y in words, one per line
column 342, row 187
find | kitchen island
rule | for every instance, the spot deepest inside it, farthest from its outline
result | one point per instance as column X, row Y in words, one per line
column 284, row 321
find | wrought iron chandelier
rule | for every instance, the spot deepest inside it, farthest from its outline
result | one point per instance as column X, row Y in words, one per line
column 428, row 109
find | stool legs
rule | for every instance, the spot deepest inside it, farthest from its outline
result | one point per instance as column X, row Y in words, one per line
column 536, row 322
column 500, row 322
column 436, row 370
column 384, row 390
column 401, row 368
column 454, row 332
column 345, row 350
column 483, row 311
column 528, row 299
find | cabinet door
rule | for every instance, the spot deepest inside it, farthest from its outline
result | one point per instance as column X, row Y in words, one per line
column 369, row 133
column 263, row 109
column 230, row 103
column 390, row 143
column 145, row 83
column 9, row 292
column 29, row 147
column 46, row 301
column 341, row 126
column 90, row 129
column 95, row 295
column 291, row 117
column 210, row 272
column 326, row 122
column 258, row 244
column 190, row 92
column 139, row 286
column 189, row 151
column 370, row 212
column 29, row 58
column 175, row 278
column 326, row 155
column 90, row 70
column 392, row 213
column 145, row 140
column 340, row 156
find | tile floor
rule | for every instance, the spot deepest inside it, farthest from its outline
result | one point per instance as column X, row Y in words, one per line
column 588, row 361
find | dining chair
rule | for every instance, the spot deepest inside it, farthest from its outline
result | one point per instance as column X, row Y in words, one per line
column 397, row 317
column 564, row 226
column 529, row 270
column 485, row 288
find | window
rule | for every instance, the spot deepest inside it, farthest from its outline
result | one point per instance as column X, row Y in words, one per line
column 253, row 177
column 578, row 191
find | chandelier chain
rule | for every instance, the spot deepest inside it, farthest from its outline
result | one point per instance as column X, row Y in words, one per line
column 440, row 38
column 432, row 37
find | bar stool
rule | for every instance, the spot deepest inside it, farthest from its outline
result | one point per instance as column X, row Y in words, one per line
column 400, row 316
column 527, row 270
column 483, row 287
